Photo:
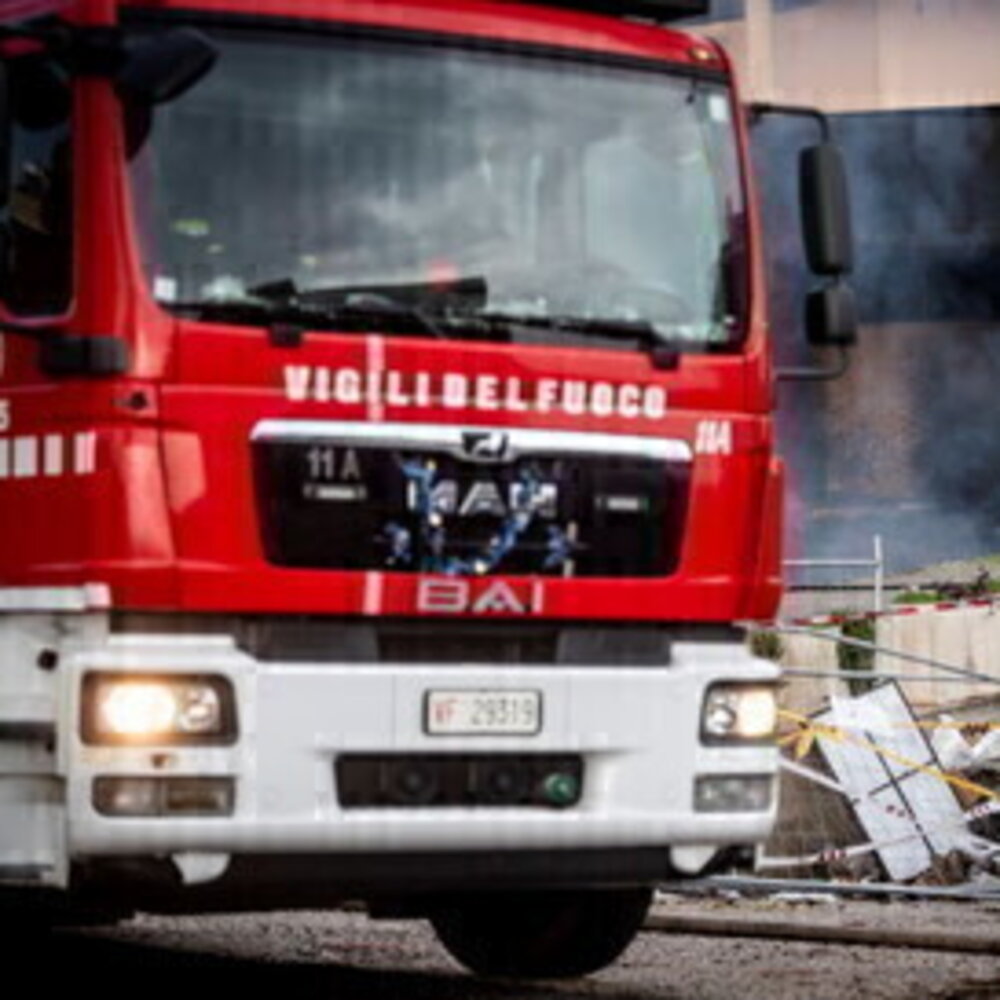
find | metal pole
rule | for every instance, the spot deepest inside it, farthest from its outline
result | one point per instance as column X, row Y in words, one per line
column 925, row 661
column 879, row 574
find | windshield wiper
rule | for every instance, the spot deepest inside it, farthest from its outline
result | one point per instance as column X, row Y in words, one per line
column 664, row 352
column 401, row 308
column 615, row 328
column 255, row 311
column 359, row 313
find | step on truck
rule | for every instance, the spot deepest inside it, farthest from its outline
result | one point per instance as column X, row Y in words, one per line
column 386, row 462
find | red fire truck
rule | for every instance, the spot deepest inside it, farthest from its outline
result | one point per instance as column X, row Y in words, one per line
column 386, row 461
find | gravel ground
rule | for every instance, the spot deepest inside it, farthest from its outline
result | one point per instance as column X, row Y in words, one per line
column 344, row 955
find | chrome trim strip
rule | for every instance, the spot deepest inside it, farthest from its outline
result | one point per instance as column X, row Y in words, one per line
column 521, row 441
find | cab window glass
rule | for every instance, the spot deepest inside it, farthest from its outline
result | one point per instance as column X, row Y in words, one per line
column 37, row 272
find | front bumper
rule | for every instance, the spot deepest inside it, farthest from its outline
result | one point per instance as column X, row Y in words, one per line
column 636, row 729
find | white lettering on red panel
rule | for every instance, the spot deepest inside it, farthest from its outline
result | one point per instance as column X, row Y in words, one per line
column 48, row 456
column 456, row 596
column 488, row 393
column 714, row 437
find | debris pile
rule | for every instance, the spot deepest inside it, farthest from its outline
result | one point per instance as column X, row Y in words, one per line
column 923, row 794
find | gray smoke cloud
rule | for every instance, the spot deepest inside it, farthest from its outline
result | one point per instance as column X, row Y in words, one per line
column 907, row 445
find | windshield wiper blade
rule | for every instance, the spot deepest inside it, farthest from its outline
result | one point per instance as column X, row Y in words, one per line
column 364, row 314
column 468, row 292
column 368, row 306
column 664, row 352
column 254, row 311
column 619, row 329
column 353, row 306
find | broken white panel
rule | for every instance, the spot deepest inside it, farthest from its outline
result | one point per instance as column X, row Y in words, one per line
column 911, row 814
column 951, row 747
column 986, row 753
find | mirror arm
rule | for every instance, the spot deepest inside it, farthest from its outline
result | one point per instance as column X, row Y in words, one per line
column 762, row 109
column 817, row 373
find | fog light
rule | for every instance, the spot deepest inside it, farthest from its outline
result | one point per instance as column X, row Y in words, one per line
column 138, row 797
column 126, row 796
column 738, row 793
column 123, row 709
column 739, row 713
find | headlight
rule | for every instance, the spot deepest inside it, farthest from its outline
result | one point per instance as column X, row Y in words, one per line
column 735, row 713
column 144, row 710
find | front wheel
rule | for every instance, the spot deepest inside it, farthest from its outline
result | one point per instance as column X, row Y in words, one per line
column 543, row 935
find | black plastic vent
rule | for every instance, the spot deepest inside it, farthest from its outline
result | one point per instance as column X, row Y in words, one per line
column 372, row 781
column 457, row 642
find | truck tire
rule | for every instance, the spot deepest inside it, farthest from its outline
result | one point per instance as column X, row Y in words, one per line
column 543, row 935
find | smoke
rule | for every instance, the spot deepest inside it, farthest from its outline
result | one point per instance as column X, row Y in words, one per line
column 907, row 445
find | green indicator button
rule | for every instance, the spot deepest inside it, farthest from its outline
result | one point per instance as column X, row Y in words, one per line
column 562, row 789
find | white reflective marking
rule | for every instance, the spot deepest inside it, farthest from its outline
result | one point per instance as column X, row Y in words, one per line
column 25, row 457
column 375, row 357
column 538, row 597
column 4, row 459
column 372, row 600
column 84, row 453
column 53, row 455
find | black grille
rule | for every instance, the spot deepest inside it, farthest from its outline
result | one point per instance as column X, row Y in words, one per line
column 439, row 780
column 324, row 506
column 458, row 642
column 314, row 639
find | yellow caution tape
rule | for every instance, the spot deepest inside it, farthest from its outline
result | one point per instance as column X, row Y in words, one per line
column 810, row 731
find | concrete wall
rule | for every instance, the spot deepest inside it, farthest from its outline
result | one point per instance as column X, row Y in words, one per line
column 965, row 637
column 864, row 55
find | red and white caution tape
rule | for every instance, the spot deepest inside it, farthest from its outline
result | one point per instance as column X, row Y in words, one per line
column 903, row 610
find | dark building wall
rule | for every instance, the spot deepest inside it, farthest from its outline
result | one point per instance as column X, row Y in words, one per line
column 908, row 444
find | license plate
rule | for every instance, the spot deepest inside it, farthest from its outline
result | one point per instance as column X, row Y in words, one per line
column 483, row 713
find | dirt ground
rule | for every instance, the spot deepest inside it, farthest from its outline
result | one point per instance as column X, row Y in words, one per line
column 345, row 955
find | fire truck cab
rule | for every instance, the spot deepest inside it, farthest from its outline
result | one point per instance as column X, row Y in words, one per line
column 386, row 462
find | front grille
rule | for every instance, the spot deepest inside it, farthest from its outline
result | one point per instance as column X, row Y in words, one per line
column 458, row 642
column 371, row 781
column 332, row 497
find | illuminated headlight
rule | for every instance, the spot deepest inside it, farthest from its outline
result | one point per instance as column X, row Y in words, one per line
column 144, row 710
column 739, row 713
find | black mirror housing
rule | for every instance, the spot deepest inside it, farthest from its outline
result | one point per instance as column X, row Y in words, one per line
column 826, row 212
column 832, row 317
column 160, row 68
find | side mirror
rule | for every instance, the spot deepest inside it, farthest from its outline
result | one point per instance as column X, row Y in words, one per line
column 159, row 68
column 826, row 212
column 832, row 317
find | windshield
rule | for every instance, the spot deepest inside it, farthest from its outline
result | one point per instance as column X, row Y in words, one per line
column 554, row 188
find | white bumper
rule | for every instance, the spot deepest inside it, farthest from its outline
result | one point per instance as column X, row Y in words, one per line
column 637, row 730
